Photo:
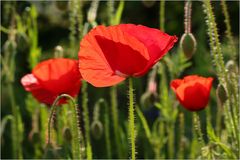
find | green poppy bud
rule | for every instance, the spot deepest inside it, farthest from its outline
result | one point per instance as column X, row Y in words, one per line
column 97, row 129
column 231, row 66
column 221, row 94
column 188, row 44
column 67, row 134
column 58, row 53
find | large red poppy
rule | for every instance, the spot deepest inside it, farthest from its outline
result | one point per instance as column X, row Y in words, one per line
column 110, row 54
column 53, row 77
column 192, row 91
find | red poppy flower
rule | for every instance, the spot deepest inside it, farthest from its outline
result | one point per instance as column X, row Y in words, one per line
column 192, row 91
column 110, row 54
column 52, row 78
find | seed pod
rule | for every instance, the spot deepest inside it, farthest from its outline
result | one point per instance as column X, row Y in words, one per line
column 97, row 129
column 188, row 44
column 221, row 94
column 67, row 134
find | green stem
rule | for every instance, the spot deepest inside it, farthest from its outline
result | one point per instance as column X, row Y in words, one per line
column 181, row 139
column 131, row 124
column 14, row 126
column 86, row 120
column 107, row 131
column 170, row 130
column 232, row 47
column 114, row 110
column 197, row 126
column 77, row 146
column 162, row 14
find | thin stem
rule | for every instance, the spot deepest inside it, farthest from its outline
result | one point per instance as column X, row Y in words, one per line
column 181, row 139
column 162, row 14
column 14, row 128
column 232, row 47
column 187, row 16
column 197, row 126
column 77, row 146
column 86, row 119
column 170, row 130
column 114, row 110
column 131, row 124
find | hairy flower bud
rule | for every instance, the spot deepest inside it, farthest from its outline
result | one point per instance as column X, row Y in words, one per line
column 221, row 94
column 188, row 44
column 97, row 129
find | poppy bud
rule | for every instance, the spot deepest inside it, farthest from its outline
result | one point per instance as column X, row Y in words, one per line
column 58, row 53
column 221, row 94
column 92, row 13
column 67, row 134
column 97, row 129
column 188, row 44
column 230, row 66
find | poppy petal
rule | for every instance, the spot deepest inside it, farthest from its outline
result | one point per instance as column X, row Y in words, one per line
column 175, row 84
column 194, row 97
column 108, row 55
column 30, row 83
column 157, row 42
column 58, row 75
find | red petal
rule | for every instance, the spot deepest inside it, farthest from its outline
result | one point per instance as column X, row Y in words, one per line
column 193, row 97
column 157, row 42
column 193, row 91
column 106, row 51
column 58, row 76
column 31, row 84
column 175, row 84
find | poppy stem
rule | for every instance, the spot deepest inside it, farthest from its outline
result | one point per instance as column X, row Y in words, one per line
column 162, row 14
column 197, row 126
column 131, row 125
column 77, row 145
column 86, row 120
column 114, row 110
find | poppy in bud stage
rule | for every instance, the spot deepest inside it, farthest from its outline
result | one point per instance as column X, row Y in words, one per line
column 192, row 91
column 110, row 54
column 52, row 78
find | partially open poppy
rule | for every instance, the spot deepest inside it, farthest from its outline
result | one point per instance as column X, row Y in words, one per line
column 52, row 78
column 192, row 91
column 110, row 54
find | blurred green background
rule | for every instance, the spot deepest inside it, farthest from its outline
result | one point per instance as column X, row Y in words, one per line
column 53, row 30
